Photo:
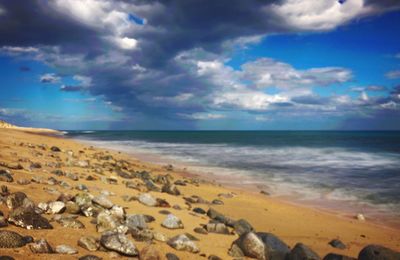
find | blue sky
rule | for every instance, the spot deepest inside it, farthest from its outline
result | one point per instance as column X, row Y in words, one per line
column 181, row 66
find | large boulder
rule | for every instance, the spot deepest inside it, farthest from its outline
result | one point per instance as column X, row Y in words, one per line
column 251, row 246
column 28, row 218
column 242, row 226
column 377, row 252
column 302, row 252
column 275, row 248
column 11, row 239
column 332, row 256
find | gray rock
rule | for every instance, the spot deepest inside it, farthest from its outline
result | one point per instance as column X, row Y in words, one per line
column 183, row 243
column 103, row 201
column 171, row 256
column 200, row 230
column 41, row 247
column 83, row 199
column 172, row 222
column 105, row 222
column 171, row 189
column 66, row 250
column 218, row 228
column 71, row 223
column 215, row 215
column 251, row 245
column 242, row 226
column 151, row 186
column 16, row 200
column 136, row 221
column 274, row 247
column 235, row 251
column 147, row 199
column 199, row 211
column 141, row 235
column 119, row 243
column 336, row 243
column 377, row 252
column 11, row 239
column 89, row 243
column 302, row 252
column 56, row 207
column 5, row 176
column 28, row 218
column 332, row 256
column 89, row 257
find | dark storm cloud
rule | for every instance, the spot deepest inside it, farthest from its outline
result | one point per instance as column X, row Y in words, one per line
column 152, row 68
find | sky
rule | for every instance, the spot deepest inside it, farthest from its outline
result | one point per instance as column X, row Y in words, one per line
column 201, row 65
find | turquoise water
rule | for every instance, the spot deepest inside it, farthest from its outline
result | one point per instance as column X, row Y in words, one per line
column 339, row 166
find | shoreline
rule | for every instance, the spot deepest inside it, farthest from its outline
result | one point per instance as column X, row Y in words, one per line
column 291, row 223
column 338, row 208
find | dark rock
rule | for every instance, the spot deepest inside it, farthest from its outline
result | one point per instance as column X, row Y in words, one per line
column 162, row 203
column 199, row 211
column 251, row 245
column 302, row 252
column 5, row 176
column 217, row 202
column 171, row 256
column 119, row 243
column 141, row 235
column 11, row 239
column 336, row 243
column 3, row 221
column 89, row 243
column 171, row 189
column 151, row 186
column 55, row 149
column 200, row 230
column 41, row 247
column 274, row 247
column 377, row 252
column 89, row 257
column 242, row 226
column 58, row 172
column 215, row 215
column 332, row 256
column 35, row 165
column 6, row 257
column 214, row 257
column 28, row 218
column 164, row 212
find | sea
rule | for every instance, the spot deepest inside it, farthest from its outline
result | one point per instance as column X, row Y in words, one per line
column 341, row 171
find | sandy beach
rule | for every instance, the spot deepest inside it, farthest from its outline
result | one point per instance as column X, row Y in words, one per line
column 82, row 166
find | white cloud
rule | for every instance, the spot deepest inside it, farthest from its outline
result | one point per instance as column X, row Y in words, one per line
column 394, row 74
column 201, row 116
column 50, row 78
column 18, row 49
column 124, row 42
column 318, row 15
column 83, row 80
column 262, row 118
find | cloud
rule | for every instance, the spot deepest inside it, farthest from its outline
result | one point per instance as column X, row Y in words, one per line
column 171, row 64
column 201, row 116
column 394, row 74
column 50, row 78
column 375, row 88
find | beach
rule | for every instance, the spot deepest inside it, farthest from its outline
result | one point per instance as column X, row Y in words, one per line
column 108, row 170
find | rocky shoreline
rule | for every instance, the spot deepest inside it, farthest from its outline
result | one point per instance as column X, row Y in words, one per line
column 61, row 199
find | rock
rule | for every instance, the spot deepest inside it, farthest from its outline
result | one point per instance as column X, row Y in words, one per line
column 82, row 164
column 164, row 212
column 172, row 222
column 141, row 235
column 274, row 247
column 151, row 186
column 72, row 176
column 89, row 257
column 119, row 243
column 28, row 218
column 162, row 203
column 183, row 243
column 118, row 212
column 41, row 247
column 226, row 195
column 23, row 181
column 235, row 251
column 43, row 206
column 58, row 172
column 332, row 256
column 171, row 189
column 55, row 149
column 199, row 211
column 56, row 207
column 360, row 217
column 136, row 221
column 89, row 243
column 103, row 201
column 11, row 239
column 70, row 223
column 105, row 222
column 6, row 257
column 150, row 253
column 242, row 226
column 180, row 183
column 160, row 237
column 81, row 187
column 377, row 252
column 200, row 230
column 3, row 222
column 218, row 228
column 171, row 256
column 302, row 252
column 149, row 218
column 66, row 250
column 5, row 176
column 35, row 165
column 215, row 215
column 336, row 243
column 83, row 198
column 147, row 199
column 16, row 200
column 251, row 245
column 72, row 208
column 214, row 257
